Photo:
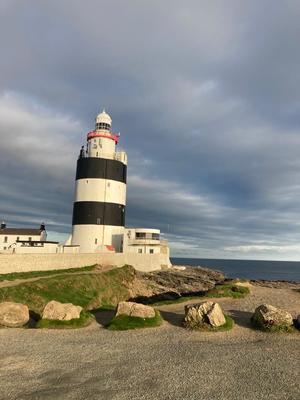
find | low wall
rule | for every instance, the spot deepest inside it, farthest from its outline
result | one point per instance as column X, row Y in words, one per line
column 43, row 262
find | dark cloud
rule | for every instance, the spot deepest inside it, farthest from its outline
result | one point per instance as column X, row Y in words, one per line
column 206, row 97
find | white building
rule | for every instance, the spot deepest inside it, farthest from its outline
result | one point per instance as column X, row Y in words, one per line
column 25, row 240
column 144, row 241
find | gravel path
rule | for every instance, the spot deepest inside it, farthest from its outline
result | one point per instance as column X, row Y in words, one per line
column 160, row 363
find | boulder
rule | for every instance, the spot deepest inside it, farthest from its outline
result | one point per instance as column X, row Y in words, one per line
column 135, row 310
column 13, row 315
column 199, row 315
column 55, row 310
column 266, row 316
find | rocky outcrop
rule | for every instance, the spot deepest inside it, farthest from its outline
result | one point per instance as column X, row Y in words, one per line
column 267, row 316
column 13, row 315
column 204, row 314
column 135, row 310
column 55, row 310
column 173, row 282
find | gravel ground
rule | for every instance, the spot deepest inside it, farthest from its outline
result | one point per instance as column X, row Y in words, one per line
column 159, row 363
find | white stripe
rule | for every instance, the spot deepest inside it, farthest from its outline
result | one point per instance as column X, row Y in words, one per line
column 103, row 190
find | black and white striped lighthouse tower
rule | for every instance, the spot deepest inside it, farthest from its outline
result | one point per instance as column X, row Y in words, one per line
column 100, row 191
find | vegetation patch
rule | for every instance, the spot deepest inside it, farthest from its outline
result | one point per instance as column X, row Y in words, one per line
column 125, row 322
column 36, row 274
column 208, row 328
column 90, row 291
column 227, row 290
column 85, row 319
column 272, row 328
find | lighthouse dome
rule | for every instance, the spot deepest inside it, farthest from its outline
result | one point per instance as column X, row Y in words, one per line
column 103, row 117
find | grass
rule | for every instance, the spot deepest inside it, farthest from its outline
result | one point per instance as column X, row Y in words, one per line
column 36, row 274
column 85, row 319
column 125, row 322
column 227, row 290
column 272, row 328
column 89, row 291
column 208, row 328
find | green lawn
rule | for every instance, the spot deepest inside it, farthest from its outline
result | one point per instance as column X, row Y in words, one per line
column 89, row 291
column 124, row 322
column 36, row 274
column 85, row 319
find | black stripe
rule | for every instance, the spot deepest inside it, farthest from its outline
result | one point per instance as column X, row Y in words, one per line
column 94, row 167
column 98, row 213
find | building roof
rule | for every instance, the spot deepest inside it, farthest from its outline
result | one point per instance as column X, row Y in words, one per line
column 20, row 231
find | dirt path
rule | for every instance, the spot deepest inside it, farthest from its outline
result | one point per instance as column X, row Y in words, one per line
column 98, row 270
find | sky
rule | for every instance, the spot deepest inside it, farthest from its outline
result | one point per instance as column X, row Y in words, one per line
column 206, row 96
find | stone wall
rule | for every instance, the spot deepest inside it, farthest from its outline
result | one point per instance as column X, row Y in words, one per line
column 42, row 262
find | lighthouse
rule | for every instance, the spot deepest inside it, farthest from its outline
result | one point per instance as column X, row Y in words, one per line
column 100, row 191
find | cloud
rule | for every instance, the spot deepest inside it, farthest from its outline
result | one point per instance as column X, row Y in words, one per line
column 206, row 96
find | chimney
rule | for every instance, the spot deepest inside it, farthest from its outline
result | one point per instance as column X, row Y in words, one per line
column 3, row 225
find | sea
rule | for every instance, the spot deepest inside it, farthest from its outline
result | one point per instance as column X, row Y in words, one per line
column 248, row 269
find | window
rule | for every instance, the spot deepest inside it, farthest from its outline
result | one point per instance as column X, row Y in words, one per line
column 102, row 125
column 4, row 248
column 151, row 251
column 98, row 221
column 30, row 239
column 18, row 238
column 140, row 235
column 140, row 250
column 5, row 239
column 155, row 236
column 96, row 241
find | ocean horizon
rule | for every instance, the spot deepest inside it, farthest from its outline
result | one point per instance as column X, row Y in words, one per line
column 247, row 269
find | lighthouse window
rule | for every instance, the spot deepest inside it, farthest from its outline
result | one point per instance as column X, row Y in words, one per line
column 151, row 251
column 140, row 250
column 96, row 241
column 5, row 239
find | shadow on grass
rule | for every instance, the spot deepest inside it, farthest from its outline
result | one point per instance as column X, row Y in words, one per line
column 242, row 318
column 103, row 317
column 172, row 318
column 33, row 319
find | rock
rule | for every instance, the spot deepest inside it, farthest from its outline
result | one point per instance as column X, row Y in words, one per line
column 202, row 314
column 266, row 316
column 298, row 321
column 55, row 310
column 135, row 310
column 173, row 283
column 13, row 315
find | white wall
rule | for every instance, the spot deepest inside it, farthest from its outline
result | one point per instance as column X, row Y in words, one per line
column 104, row 190
column 42, row 262
column 85, row 235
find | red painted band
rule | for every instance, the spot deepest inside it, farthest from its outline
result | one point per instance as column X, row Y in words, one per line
column 94, row 134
